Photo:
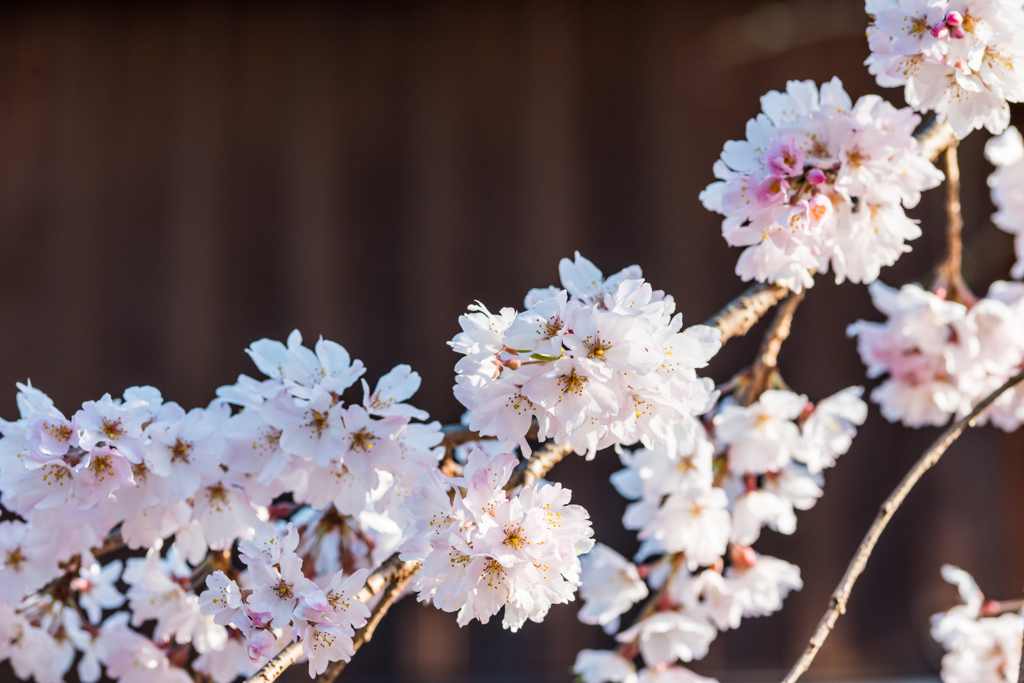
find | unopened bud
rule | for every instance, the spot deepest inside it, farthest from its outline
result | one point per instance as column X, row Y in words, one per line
column 954, row 18
column 743, row 556
column 940, row 30
column 815, row 176
column 957, row 32
column 511, row 363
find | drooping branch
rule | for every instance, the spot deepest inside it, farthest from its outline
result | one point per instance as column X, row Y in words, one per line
column 837, row 604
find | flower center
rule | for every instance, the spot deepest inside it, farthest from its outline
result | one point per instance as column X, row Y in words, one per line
column 180, row 451
column 112, row 428
column 363, row 440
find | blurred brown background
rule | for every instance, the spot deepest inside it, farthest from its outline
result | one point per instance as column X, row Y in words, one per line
column 177, row 181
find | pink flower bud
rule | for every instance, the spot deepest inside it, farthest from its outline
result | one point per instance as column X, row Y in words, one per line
column 957, row 32
column 815, row 176
column 940, row 30
column 954, row 18
column 743, row 557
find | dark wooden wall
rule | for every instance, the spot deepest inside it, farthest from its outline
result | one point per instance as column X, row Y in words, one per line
column 177, row 181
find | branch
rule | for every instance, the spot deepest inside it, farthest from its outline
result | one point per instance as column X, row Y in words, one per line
column 935, row 138
column 841, row 595
column 398, row 574
column 538, row 465
column 768, row 355
column 992, row 608
column 111, row 543
column 389, row 571
column 949, row 281
column 743, row 312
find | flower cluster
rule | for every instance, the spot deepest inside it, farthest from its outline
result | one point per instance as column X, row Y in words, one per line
column 141, row 470
column 961, row 59
column 981, row 645
column 324, row 616
column 941, row 356
column 598, row 363
column 701, row 501
column 483, row 549
column 820, row 181
column 1006, row 152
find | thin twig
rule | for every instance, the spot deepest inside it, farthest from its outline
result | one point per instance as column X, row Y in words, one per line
column 538, row 465
column 768, row 355
column 954, row 258
column 993, row 608
column 742, row 313
column 837, row 605
column 364, row 634
column 949, row 281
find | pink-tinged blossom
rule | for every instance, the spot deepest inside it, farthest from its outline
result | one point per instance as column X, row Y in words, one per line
column 113, row 424
column 485, row 551
column 26, row 561
column 784, row 157
column 390, row 393
column 222, row 599
column 603, row 666
column 50, row 435
column 763, row 436
column 960, row 58
column 279, row 588
column 979, row 648
column 96, row 589
column 942, row 357
column 693, row 521
column 604, row 361
column 667, row 637
column 761, row 584
column 1006, row 153
column 610, row 585
column 102, row 471
column 820, row 182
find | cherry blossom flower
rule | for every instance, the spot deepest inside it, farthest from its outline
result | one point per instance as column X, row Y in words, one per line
column 483, row 551
column 978, row 648
column 820, row 182
column 96, row 589
column 1006, row 153
column 610, row 585
column 959, row 58
column 602, row 666
column 604, row 361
